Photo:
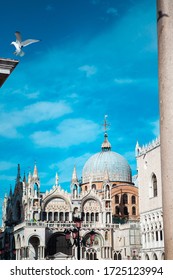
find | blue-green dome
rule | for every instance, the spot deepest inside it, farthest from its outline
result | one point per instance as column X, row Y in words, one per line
column 106, row 163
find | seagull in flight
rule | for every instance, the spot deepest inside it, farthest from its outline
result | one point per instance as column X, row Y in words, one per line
column 19, row 44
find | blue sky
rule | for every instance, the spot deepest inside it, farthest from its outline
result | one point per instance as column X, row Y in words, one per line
column 95, row 57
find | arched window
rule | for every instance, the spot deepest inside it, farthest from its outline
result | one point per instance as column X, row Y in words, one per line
column 94, row 187
column 157, row 237
column 117, row 199
column 92, row 217
column 117, row 210
column 125, row 210
column 133, row 199
column 154, row 183
column 87, row 217
column 86, row 188
column 125, row 198
column 161, row 235
column 106, row 235
column 133, row 210
column 119, row 257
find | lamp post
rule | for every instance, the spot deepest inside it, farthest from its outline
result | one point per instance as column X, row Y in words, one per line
column 75, row 235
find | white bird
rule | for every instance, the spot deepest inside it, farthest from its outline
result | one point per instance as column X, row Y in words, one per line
column 19, row 44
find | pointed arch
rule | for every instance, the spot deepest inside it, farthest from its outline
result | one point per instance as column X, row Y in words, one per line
column 117, row 199
column 125, row 198
column 153, row 186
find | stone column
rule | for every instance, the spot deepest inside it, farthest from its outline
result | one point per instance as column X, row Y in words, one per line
column 165, row 55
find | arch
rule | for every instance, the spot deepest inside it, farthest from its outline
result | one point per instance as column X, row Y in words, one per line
column 117, row 210
column 126, row 211
column 162, row 256
column 133, row 199
column 57, row 244
column 93, row 187
column 134, row 210
column 153, row 186
column 53, row 197
column 92, row 217
column 106, row 235
column 147, row 257
column 117, row 199
column 155, row 256
column 36, row 188
column 23, row 241
column 91, row 198
column 18, row 242
column 33, row 246
column 161, row 235
column 97, row 242
column 117, row 256
column 91, row 255
column 125, row 198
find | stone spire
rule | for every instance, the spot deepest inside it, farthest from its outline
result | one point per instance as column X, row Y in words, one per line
column 10, row 193
column 29, row 177
column 35, row 173
column 56, row 179
column 18, row 174
column 74, row 176
column 24, row 178
column 137, row 149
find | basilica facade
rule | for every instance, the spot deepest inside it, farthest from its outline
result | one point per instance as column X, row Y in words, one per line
column 42, row 225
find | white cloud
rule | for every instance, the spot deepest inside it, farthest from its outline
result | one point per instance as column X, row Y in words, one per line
column 34, row 113
column 112, row 11
column 89, row 70
column 65, row 167
column 33, row 95
column 155, row 126
column 5, row 165
column 70, row 132
column 124, row 81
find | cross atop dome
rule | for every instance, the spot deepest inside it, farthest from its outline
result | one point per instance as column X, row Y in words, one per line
column 106, row 146
column 106, row 124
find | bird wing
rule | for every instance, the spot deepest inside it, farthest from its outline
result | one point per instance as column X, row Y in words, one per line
column 18, row 36
column 28, row 42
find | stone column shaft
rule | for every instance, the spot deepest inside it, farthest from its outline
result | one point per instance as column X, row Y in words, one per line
column 165, row 60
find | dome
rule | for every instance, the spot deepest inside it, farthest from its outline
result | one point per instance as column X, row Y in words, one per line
column 106, row 164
